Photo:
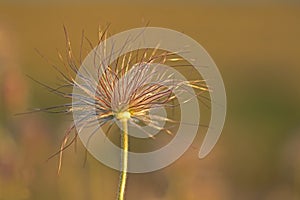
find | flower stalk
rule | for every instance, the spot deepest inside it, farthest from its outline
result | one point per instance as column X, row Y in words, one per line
column 123, row 117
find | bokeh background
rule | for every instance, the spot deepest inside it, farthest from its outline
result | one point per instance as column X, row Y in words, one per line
column 256, row 46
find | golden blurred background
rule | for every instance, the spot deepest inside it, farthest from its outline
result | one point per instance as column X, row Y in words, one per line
column 256, row 47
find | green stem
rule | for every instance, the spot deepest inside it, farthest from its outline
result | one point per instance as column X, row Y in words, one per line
column 123, row 178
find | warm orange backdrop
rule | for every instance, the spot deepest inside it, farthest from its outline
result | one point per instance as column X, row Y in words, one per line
column 255, row 45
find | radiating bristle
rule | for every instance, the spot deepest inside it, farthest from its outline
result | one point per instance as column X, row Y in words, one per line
column 126, row 85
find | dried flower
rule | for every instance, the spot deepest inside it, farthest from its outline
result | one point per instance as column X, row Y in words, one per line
column 125, row 91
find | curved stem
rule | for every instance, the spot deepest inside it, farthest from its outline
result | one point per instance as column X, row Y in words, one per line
column 123, row 177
